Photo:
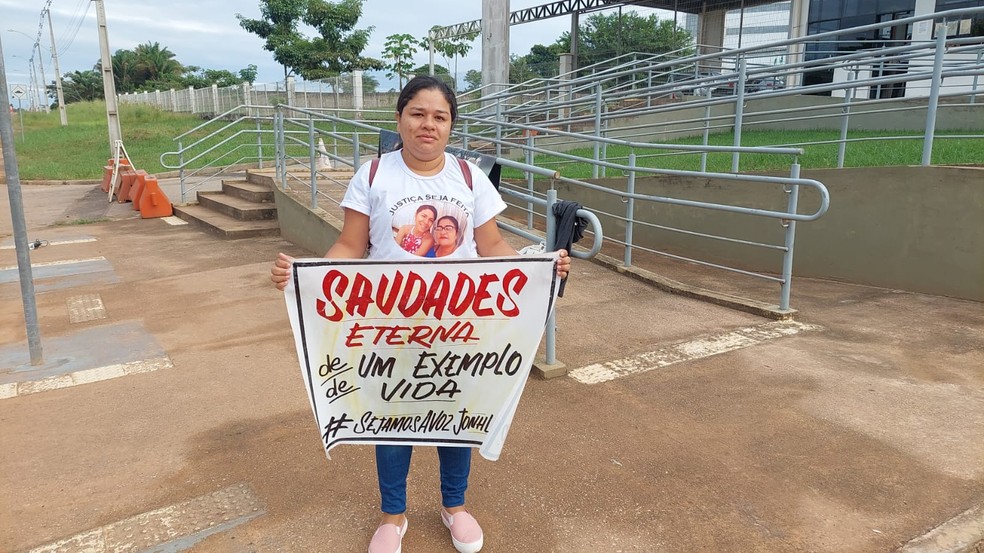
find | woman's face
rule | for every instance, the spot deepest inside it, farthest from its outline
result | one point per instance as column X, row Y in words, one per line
column 423, row 221
column 445, row 233
column 425, row 125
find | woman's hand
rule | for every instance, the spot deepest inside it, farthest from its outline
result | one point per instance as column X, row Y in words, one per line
column 563, row 264
column 280, row 273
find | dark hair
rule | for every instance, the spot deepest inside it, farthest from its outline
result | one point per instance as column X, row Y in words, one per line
column 426, row 82
column 453, row 220
column 427, row 206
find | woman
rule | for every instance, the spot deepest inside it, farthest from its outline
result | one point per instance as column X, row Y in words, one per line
column 425, row 112
column 445, row 237
column 417, row 238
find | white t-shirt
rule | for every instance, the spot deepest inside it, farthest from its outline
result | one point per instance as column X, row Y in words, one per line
column 397, row 195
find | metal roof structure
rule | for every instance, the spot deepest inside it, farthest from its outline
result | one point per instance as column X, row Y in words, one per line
column 567, row 7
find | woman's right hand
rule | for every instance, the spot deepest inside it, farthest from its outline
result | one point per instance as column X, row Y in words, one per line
column 280, row 273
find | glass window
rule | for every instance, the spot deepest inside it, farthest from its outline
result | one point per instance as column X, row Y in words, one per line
column 830, row 9
column 861, row 7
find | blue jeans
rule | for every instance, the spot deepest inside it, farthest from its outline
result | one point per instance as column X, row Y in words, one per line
column 393, row 464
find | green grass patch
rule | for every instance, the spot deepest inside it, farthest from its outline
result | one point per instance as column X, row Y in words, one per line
column 48, row 151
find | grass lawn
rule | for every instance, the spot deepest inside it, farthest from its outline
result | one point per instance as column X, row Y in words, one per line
column 48, row 151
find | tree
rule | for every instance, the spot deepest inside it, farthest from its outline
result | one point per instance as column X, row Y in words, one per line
column 248, row 73
column 474, row 79
column 82, row 86
column 156, row 64
column 604, row 37
column 451, row 49
column 400, row 48
column 440, row 72
column 519, row 70
column 125, row 71
column 336, row 49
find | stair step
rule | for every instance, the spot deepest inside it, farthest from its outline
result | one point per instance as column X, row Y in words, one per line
column 248, row 191
column 236, row 207
column 224, row 225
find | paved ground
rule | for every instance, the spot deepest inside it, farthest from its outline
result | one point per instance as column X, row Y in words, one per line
column 858, row 433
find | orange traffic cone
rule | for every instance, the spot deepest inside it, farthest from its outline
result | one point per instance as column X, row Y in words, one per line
column 153, row 201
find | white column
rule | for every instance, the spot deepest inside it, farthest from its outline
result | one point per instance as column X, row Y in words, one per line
column 357, row 102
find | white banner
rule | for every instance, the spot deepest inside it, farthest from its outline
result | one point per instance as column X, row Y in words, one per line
column 418, row 352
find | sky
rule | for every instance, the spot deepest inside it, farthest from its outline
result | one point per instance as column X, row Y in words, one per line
column 207, row 34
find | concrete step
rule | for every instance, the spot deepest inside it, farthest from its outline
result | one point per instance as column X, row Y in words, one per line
column 240, row 188
column 236, row 207
column 225, row 226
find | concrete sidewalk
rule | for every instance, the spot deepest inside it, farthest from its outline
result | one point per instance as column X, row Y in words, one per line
column 683, row 426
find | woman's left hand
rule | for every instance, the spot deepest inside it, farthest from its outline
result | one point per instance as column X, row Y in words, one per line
column 563, row 264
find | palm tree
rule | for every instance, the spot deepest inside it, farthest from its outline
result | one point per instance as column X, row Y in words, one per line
column 157, row 64
column 125, row 70
column 82, row 86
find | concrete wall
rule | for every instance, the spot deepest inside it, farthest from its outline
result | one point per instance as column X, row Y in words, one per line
column 312, row 229
column 912, row 228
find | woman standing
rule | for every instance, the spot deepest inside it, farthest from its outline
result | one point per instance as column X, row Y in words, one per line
column 425, row 112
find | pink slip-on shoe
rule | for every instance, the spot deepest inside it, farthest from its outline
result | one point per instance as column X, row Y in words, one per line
column 466, row 534
column 388, row 538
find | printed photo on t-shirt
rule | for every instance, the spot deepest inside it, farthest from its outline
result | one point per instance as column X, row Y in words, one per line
column 430, row 228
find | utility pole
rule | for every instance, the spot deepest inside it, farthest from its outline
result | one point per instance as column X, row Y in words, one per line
column 62, row 113
column 44, row 85
column 19, row 224
column 109, row 85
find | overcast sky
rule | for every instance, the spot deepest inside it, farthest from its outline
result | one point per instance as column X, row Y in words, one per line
column 206, row 33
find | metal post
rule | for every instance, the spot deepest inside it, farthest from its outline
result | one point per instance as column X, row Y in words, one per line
column 707, row 137
column 498, row 128
column 259, row 144
column 934, row 95
column 973, row 90
column 630, row 211
column 464, row 137
column 739, row 111
column 849, row 92
column 529, row 180
column 597, row 144
column 550, row 345
column 181, row 170
column 19, row 225
column 787, row 258
column 356, row 146
column 312, row 160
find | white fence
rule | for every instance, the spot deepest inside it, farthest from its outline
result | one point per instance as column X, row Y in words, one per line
column 215, row 100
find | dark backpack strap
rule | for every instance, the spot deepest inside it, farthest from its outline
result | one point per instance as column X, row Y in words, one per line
column 465, row 171
column 373, row 166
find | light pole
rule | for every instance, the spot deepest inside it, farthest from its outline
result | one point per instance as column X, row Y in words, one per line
column 43, row 91
column 62, row 114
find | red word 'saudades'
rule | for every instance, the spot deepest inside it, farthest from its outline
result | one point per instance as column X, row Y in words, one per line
column 410, row 294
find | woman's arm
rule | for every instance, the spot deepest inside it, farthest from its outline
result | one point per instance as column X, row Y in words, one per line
column 490, row 242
